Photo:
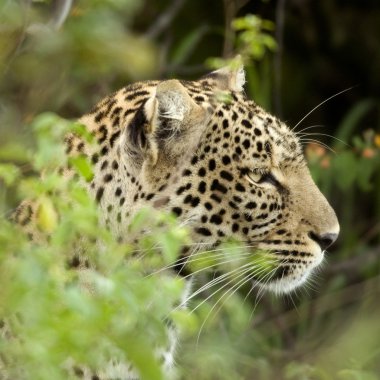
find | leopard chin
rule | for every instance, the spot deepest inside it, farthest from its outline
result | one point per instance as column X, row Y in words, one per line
column 288, row 277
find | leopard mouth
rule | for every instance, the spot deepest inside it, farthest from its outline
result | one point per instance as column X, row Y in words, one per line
column 280, row 271
column 289, row 274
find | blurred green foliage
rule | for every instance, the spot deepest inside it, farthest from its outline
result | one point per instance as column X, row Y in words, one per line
column 63, row 61
column 47, row 306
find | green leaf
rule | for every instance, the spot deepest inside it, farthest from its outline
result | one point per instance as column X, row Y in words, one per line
column 14, row 152
column 82, row 131
column 223, row 97
column 9, row 173
column 47, row 217
column 186, row 322
column 82, row 166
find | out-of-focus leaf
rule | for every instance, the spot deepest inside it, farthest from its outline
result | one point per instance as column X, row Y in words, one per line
column 367, row 167
column 83, row 167
column 15, row 152
column 187, row 45
column 345, row 167
column 351, row 120
column 186, row 322
column 47, row 217
column 9, row 173
column 352, row 374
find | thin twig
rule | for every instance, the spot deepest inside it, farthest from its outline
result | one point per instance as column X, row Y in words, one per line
column 165, row 19
column 26, row 16
column 62, row 11
column 280, row 17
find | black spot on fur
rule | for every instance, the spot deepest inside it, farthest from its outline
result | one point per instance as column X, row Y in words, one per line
column 246, row 123
column 202, row 187
column 108, row 177
column 202, row 172
column 233, row 205
column 211, row 164
column 99, row 194
column 177, row 211
column 203, row 231
column 180, row 190
column 226, row 160
column 251, row 205
column 216, row 219
column 136, row 94
column 216, row 185
column 103, row 134
column 99, row 117
column 208, row 206
column 95, row 158
column 114, row 137
column 240, row 187
column 104, row 151
column 226, row 175
column 215, row 198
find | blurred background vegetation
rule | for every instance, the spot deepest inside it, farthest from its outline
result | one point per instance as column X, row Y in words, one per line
column 62, row 56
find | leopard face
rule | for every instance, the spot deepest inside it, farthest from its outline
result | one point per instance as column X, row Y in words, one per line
column 225, row 167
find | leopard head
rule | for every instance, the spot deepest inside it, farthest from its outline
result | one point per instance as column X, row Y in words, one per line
column 228, row 169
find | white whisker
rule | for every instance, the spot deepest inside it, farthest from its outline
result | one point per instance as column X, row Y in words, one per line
column 323, row 134
column 231, row 290
column 310, row 127
column 320, row 104
column 306, row 140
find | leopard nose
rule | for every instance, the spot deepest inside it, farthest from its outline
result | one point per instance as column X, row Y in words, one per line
column 324, row 240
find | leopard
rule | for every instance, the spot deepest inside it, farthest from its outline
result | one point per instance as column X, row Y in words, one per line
column 206, row 153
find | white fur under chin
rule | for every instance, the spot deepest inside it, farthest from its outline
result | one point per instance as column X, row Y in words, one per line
column 288, row 284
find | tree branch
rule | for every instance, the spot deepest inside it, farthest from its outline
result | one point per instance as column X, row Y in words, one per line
column 231, row 8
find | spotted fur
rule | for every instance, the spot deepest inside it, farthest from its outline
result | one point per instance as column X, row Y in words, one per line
column 224, row 166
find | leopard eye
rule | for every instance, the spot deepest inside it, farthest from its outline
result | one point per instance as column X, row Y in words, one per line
column 260, row 177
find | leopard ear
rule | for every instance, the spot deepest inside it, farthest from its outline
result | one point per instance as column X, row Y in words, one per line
column 173, row 108
column 167, row 124
column 177, row 120
column 230, row 77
